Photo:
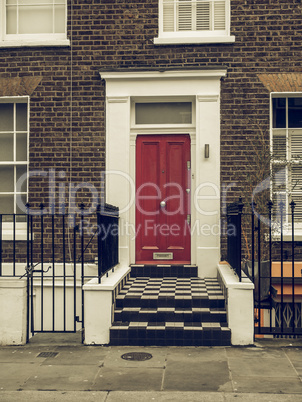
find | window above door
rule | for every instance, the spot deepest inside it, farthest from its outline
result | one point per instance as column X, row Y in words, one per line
column 33, row 23
column 194, row 21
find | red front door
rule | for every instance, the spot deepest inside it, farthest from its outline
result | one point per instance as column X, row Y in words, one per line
column 163, row 199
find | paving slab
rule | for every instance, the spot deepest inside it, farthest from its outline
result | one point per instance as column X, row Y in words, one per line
column 295, row 357
column 21, row 354
column 67, row 355
column 190, row 375
column 263, row 384
column 261, row 367
column 65, row 378
column 14, row 375
column 164, row 396
column 201, row 353
column 53, row 396
column 129, row 379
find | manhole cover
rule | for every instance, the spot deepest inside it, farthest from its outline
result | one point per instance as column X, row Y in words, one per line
column 47, row 354
column 136, row 356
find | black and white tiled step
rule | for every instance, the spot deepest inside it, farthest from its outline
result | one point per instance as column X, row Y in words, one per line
column 164, row 271
column 170, row 311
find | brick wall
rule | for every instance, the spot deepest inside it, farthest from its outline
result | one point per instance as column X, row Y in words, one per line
column 67, row 127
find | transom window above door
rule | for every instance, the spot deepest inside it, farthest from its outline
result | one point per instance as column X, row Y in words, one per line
column 194, row 21
column 163, row 113
column 33, row 21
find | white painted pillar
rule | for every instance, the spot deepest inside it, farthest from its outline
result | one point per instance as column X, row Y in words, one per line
column 120, row 189
column 240, row 305
column 206, row 202
column 99, row 299
column 13, row 311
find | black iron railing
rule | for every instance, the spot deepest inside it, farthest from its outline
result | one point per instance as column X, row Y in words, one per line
column 234, row 213
column 57, row 252
column 108, row 235
column 265, row 249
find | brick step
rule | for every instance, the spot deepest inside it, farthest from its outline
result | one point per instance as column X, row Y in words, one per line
column 161, row 271
column 169, row 334
column 139, row 314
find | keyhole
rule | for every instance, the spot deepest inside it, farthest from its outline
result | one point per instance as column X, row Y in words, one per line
column 163, row 171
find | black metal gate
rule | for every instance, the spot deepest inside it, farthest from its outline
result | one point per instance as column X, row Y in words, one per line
column 62, row 253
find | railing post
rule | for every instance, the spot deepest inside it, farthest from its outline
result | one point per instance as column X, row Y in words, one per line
column 270, row 207
column 100, row 244
column 253, row 205
column 292, row 205
column 42, row 265
column 0, row 244
column 239, row 255
column 281, row 205
column 29, row 296
column 82, row 206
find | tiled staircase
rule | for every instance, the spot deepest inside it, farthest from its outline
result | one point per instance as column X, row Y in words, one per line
column 169, row 306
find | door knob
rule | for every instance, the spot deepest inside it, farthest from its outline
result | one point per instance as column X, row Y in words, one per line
column 163, row 204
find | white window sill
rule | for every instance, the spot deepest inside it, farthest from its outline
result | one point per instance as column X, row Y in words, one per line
column 287, row 235
column 196, row 40
column 34, row 43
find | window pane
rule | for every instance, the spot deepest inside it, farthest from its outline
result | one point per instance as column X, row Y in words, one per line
column 11, row 20
column 60, row 19
column 7, row 206
column 21, row 147
column 279, row 113
column 22, row 185
column 7, row 179
column 20, row 207
column 6, row 117
column 35, row 19
column 163, row 113
column 6, row 147
column 21, row 116
column 295, row 112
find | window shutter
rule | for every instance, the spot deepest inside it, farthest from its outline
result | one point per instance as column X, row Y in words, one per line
column 219, row 15
column 279, row 145
column 185, row 15
column 296, row 143
column 203, row 16
column 194, row 15
column 296, row 170
column 168, row 16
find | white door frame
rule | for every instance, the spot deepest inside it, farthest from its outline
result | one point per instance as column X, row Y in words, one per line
column 201, row 86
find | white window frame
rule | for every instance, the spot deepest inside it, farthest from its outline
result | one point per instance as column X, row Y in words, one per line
column 21, row 227
column 183, row 37
column 287, row 232
column 162, row 99
column 25, row 40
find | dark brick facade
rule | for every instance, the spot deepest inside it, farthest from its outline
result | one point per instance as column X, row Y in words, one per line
column 67, row 116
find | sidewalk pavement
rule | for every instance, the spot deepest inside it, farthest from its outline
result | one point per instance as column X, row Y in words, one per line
column 269, row 371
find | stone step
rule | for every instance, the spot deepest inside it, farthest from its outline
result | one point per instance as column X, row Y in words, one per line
column 169, row 334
